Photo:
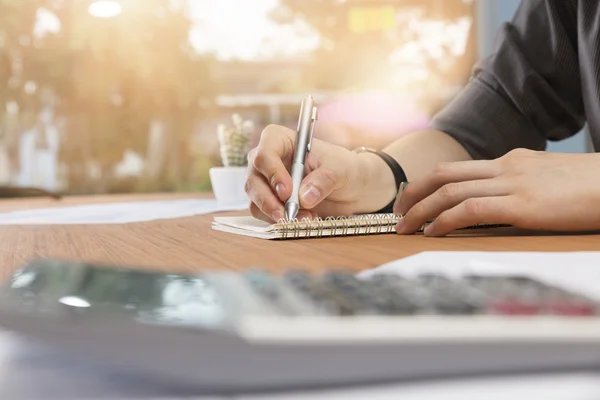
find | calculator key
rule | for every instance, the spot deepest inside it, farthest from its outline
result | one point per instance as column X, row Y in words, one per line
column 511, row 295
column 398, row 302
column 356, row 292
column 561, row 302
column 326, row 299
column 514, row 307
column 415, row 297
column 263, row 283
column 376, row 295
column 278, row 294
column 454, row 297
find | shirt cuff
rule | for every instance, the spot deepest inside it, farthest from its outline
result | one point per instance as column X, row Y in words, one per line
column 485, row 124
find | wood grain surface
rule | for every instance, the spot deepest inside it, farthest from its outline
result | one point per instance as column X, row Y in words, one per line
column 189, row 244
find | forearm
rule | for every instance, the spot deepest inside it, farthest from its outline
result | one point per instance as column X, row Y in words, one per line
column 417, row 153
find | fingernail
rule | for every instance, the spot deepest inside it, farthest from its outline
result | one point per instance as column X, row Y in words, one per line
column 428, row 230
column 399, row 197
column 280, row 189
column 400, row 225
column 402, row 186
column 310, row 195
column 277, row 215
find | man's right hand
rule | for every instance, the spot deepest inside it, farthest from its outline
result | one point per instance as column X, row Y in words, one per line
column 337, row 182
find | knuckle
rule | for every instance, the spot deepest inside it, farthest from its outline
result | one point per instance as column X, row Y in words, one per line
column 248, row 186
column 442, row 221
column 258, row 159
column 516, row 156
column 329, row 176
column 441, row 167
column 252, row 155
column 259, row 202
column 519, row 152
column 474, row 206
column 415, row 213
column 253, row 194
column 449, row 190
column 249, row 171
column 269, row 131
column 274, row 132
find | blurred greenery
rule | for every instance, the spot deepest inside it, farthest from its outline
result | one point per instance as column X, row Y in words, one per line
column 108, row 80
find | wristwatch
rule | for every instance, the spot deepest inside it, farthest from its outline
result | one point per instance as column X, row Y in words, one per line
column 399, row 175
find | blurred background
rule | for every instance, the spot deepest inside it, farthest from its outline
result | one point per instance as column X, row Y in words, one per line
column 126, row 95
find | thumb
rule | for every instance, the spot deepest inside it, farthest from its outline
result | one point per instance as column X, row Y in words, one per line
column 316, row 186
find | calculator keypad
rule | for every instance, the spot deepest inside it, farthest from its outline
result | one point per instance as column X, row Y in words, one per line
column 342, row 293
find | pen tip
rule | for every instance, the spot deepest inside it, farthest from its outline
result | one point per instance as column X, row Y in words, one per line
column 291, row 210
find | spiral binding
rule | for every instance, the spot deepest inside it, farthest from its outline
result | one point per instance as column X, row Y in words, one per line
column 367, row 224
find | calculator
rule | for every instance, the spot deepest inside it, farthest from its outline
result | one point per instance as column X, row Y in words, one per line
column 254, row 330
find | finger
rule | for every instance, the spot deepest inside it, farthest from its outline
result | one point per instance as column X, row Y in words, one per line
column 333, row 209
column 305, row 214
column 399, row 195
column 443, row 174
column 447, row 197
column 260, row 193
column 258, row 214
column 316, row 186
column 474, row 211
column 271, row 158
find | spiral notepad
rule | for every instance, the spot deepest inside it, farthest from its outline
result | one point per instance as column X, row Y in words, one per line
column 367, row 224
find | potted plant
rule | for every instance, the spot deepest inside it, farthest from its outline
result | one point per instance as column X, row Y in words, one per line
column 228, row 180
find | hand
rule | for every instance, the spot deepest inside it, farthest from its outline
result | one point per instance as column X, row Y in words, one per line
column 337, row 182
column 526, row 189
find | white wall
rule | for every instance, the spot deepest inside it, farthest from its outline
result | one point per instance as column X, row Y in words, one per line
column 492, row 13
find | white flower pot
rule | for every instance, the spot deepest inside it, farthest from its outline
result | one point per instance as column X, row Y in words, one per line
column 228, row 186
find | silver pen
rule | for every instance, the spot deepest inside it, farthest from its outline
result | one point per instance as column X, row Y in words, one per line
column 306, row 128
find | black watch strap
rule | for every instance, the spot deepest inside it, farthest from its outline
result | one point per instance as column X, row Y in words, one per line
column 399, row 175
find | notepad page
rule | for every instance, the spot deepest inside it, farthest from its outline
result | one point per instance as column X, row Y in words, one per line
column 245, row 226
column 247, row 223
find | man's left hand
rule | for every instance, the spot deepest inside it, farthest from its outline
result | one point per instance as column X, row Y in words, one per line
column 526, row 189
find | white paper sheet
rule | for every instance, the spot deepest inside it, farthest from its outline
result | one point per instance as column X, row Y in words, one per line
column 576, row 386
column 579, row 271
column 116, row 213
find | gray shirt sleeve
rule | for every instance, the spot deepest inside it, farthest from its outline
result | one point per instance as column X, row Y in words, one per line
column 527, row 92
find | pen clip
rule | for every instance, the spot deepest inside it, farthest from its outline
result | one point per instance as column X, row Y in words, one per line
column 313, row 122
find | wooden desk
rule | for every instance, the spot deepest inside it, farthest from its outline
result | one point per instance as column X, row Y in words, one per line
column 189, row 244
